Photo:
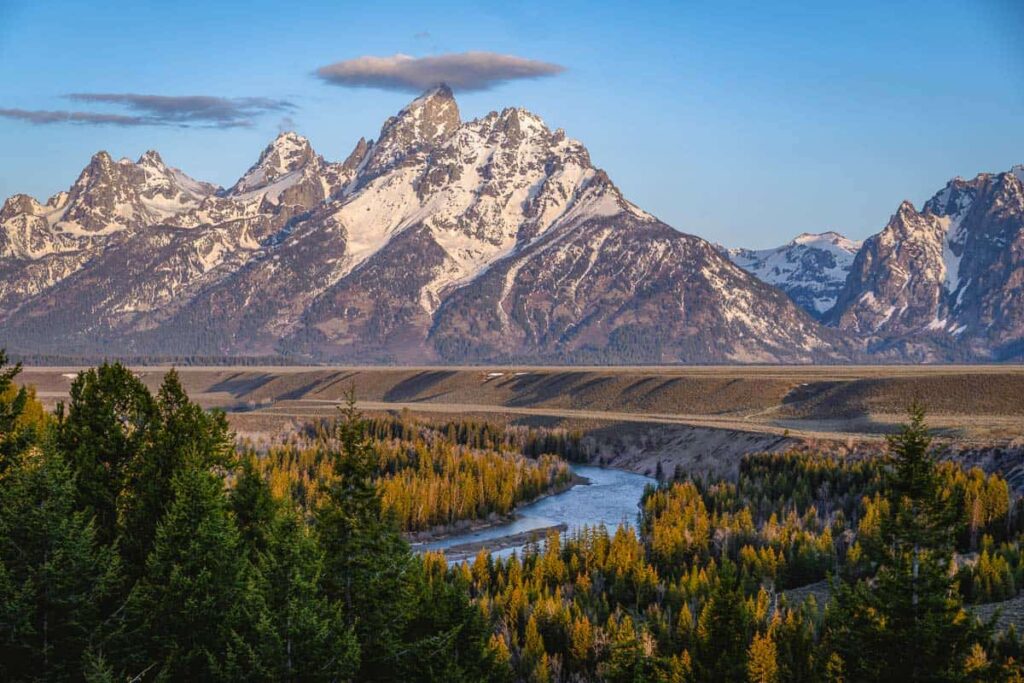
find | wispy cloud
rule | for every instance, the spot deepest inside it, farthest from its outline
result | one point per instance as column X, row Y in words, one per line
column 461, row 71
column 43, row 117
column 190, row 108
column 158, row 110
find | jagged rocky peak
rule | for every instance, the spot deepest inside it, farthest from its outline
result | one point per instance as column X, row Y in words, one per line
column 288, row 152
column 941, row 283
column 954, row 199
column 110, row 196
column 957, row 197
column 424, row 122
column 151, row 159
column 170, row 183
column 432, row 116
column 896, row 282
column 517, row 124
column 19, row 204
column 357, row 155
column 907, row 222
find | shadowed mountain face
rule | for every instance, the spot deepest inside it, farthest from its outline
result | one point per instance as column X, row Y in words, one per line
column 442, row 241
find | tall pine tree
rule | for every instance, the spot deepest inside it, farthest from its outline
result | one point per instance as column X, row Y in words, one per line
column 310, row 638
column 181, row 434
column 111, row 420
column 369, row 568
column 907, row 623
column 14, row 438
column 197, row 613
column 54, row 575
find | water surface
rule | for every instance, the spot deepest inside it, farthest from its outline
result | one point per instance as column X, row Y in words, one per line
column 612, row 497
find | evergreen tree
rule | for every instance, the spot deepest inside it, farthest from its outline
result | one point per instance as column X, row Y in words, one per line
column 762, row 660
column 369, row 568
column 110, row 421
column 311, row 640
column 14, row 438
column 910, row 617
column 254, row 508
column 54, row 575
column 723, row 632
column 625, row 658
column 197, row 613
column 447, row 635
column 181, row 434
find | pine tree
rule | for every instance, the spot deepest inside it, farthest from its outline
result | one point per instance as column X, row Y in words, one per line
column 762, row 660
column 311, row 640
column 54, row 575
column 197, row 611
column 446, row 636
column 110, row 422
column 182, row 434
column 369, row 568
column 723, row 632
column 14, row 439
column 502, row 659
column 254, row 508
column 910, row 619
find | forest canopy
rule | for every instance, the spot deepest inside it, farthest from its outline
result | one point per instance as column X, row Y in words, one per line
column 139, row 541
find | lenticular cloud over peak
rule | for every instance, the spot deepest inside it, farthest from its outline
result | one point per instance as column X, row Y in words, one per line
column 463, row 71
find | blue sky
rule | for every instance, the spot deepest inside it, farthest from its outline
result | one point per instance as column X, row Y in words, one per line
column 745, row 123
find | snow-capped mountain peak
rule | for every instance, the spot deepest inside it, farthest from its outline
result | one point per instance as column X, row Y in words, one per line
column 946, row 274
column 811, row 268
column 289, row 152
column 490, row 239
column 424, row 122
column 830, row 239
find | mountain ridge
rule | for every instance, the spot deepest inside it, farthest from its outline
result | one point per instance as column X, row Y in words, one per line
column 440, row 241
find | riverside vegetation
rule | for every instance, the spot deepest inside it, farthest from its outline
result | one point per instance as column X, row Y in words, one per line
column 138, row 542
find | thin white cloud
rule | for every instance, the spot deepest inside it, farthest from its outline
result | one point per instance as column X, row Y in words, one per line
column 462, row 71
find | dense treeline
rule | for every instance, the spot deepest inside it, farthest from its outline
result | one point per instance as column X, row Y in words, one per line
column 425, row 477
column 697, row 593
column 529, row 441
column 178, row 360
column 125, row 554
column 137, row 543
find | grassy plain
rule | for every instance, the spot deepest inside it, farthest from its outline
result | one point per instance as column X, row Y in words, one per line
column 969, row 404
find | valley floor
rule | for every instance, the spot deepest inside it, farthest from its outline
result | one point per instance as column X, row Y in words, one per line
column 701, row 417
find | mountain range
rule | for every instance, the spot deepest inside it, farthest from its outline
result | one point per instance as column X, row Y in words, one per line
column 491, row 240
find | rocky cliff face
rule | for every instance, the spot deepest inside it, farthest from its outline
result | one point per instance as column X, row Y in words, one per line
column 945, row 283
column 488, row 240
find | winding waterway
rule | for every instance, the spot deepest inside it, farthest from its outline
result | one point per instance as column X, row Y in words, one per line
column 611, row 497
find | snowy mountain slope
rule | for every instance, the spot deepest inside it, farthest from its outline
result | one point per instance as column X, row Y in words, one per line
column 812, row 268
column 374, row 273
column 111, row 196
column 487, row 240
column 134, row 275
column 40, row 245
column 610, row 283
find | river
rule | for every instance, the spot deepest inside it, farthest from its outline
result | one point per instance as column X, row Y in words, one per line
column 611, row 497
